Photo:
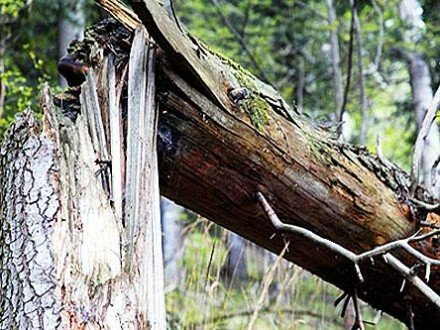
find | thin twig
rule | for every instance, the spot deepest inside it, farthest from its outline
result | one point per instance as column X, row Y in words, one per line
column 420, row 142
column 211, row 256
column 356, row 258
column 426, row 206
column 415, row 280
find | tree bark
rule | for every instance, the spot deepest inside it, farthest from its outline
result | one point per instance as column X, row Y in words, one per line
column 69, row 259
column 214, row 159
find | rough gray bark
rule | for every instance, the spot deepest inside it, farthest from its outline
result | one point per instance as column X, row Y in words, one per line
column 215, row 155
column 63, row 247
column 29, row 208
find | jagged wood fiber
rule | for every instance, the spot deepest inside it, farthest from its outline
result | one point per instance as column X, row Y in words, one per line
column 64, row 257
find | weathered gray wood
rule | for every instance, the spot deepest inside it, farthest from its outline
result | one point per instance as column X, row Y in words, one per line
column 137, row 77
column 92, row 110
column 116, row 145
column 150, row 200
column 90, row 106
column 62, row 242
column 142, row 203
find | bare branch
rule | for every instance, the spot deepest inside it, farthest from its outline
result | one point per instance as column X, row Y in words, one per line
column 426, row 206
column 415, row 280
column 380, row 250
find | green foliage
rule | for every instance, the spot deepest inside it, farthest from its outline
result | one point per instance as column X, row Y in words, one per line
column 11, row 8
column 285, row 39
column 28, row 51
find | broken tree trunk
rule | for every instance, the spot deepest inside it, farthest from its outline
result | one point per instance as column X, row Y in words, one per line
column 71, row 256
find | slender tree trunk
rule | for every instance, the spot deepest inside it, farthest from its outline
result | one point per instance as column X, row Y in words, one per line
column 336, row 58
column 300, row 86
column 236, row 270
column 362, row 85
column 409, row 11
column 70, row 27
column 422, row 97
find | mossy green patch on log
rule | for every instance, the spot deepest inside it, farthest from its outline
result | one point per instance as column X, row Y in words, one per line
column 258, row 111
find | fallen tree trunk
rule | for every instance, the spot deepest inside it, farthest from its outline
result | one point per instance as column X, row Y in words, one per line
column 215, row 155
column 217, row 151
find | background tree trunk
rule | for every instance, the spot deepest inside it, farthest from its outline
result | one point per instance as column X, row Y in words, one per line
column 336, row 58
column 70, row 27
column 172, row 242
column 410, row 13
